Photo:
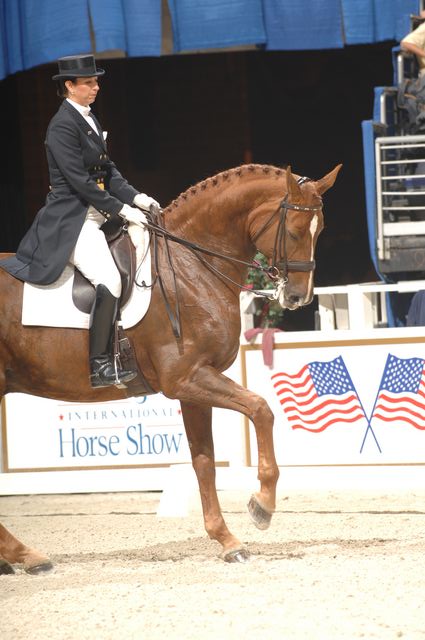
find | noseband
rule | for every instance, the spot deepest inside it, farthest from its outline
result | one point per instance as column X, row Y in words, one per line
column 280, row 266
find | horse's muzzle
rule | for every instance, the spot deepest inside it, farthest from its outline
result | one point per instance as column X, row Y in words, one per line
column 294, row 301
column 291, row 297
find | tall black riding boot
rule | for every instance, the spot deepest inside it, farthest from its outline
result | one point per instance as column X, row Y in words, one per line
column 103, row 370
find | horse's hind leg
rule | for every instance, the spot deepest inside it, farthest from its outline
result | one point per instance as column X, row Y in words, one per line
column 12, row 551
column 198, row 425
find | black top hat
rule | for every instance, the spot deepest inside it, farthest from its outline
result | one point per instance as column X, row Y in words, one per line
column 77, row 67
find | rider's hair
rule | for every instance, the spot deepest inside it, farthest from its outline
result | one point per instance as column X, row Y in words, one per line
column 61, row 89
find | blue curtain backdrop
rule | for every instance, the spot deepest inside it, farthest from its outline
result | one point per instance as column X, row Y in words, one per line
column 133, row 26
column 329, row 24
column 108, row 24
column 309, row 24
column 368, row 21
column 34, row 32
column 143, row 27
column 203, row 24
column 37, row 31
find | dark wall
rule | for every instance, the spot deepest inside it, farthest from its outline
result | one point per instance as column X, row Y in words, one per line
column 11, row 182
column 173, row 121
column 306, row 110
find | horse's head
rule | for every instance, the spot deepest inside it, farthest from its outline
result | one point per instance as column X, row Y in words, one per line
column 288, row 237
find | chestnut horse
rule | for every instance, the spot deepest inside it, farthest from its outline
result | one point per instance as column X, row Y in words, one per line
column 231, row 216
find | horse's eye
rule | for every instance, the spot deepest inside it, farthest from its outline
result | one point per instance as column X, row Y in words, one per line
column 292, row 235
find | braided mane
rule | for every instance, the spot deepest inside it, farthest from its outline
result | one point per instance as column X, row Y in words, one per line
column 224, row 176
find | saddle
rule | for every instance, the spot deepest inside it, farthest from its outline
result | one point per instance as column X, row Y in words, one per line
column 83, row 295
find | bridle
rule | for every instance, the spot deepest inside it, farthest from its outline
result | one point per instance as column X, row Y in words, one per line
column 281, row 266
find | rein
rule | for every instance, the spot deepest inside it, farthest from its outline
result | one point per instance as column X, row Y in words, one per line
column 280, row 265
column 156, row 230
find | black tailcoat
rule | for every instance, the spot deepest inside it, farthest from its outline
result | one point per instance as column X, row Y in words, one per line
column 76, row 156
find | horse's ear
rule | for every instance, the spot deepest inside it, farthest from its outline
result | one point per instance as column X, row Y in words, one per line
column 294, row 191
column 328, row 180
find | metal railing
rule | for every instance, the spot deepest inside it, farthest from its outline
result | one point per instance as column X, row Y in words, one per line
column 400, row 188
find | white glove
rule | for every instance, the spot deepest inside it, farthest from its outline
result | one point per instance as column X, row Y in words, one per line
column 131, row 214
column 144, row 202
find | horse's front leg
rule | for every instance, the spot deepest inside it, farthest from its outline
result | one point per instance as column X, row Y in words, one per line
column 219, row 391
column 12, row 551
column 216, row 390
column 198, row 425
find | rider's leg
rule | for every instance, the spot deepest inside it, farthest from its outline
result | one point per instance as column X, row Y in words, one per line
column 92, row 257
column 137, row 236
column 103, row 370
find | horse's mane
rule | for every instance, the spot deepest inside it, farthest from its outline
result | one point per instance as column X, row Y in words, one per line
column 225, row 176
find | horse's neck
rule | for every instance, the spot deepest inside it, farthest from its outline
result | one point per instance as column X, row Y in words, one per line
column 218, row 219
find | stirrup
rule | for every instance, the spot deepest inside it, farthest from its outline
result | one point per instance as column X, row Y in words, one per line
column 104, row 373
column 97, row 382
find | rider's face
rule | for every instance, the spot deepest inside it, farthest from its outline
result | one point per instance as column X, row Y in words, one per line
column 83, row 90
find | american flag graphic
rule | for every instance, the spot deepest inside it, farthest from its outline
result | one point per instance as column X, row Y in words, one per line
column 319, row 395
column 401, row 394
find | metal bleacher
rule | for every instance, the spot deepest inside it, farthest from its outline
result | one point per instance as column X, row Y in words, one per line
column 400, row 203
column 395, row 180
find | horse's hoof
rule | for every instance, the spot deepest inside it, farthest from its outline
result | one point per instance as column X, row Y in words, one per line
column 39, row 569
column 259, row 515
column 6, row 569
column 236, row 555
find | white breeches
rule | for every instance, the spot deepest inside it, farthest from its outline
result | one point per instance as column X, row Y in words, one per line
column 92, row 257
column 137, row 237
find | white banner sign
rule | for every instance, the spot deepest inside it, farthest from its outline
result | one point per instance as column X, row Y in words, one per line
column 46, row 434
column 343, row 402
